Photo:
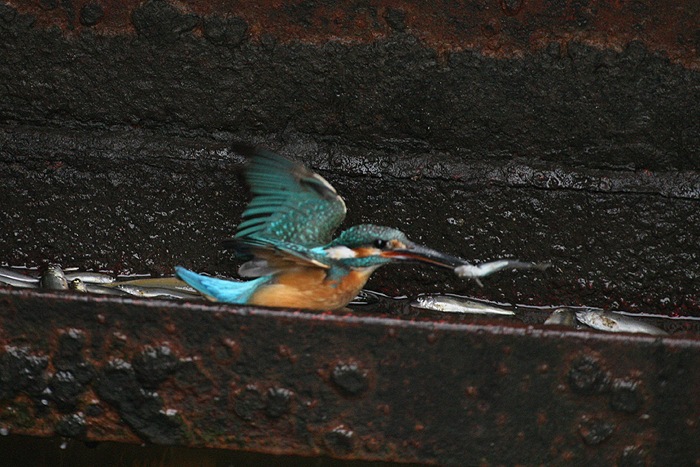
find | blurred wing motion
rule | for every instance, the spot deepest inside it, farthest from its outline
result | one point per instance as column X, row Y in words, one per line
column 290, row 202
column 270, row 256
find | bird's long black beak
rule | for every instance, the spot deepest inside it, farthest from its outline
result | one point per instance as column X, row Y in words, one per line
column 419, row 253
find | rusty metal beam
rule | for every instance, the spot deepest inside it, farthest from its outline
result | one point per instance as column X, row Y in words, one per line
column 505, row 28
column 347, row 385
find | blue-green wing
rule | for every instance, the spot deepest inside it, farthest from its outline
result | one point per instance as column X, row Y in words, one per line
column 268, row 256
column 290, row 202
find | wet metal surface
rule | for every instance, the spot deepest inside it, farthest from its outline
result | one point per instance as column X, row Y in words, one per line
column 356, row 386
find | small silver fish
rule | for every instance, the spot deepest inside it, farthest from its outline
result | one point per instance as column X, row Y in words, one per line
column 9, row 276
column 160, row 282
column 450, row 304
column 90, row 277
column 104, row 289
column 561, row 317
column 471, row 271
column 614, row 322
column 53, row 278
column 153, row 292
column 11, row 279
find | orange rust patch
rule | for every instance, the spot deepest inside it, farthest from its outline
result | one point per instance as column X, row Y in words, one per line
column 496, row 29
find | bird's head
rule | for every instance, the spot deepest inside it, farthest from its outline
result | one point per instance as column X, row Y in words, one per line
column 372, row 246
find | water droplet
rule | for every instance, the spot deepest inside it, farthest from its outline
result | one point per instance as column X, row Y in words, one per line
column 594, row 431
column 350, row 378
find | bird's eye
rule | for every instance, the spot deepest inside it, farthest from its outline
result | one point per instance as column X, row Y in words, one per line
column 379, row 243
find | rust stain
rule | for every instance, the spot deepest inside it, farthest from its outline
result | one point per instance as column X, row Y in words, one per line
column 306, row 383
column 502, row 29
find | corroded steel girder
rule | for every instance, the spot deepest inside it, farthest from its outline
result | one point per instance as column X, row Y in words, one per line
column 505, row 28
column 347, row 385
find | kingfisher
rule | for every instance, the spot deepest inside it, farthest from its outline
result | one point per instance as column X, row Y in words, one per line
column 286, row 240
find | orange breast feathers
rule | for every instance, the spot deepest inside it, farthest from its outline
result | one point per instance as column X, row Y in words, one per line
column 308, row 288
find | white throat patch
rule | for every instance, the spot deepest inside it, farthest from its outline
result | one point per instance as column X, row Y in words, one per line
column 340, row 252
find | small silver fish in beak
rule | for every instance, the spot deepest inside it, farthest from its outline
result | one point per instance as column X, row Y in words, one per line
column 471, row 271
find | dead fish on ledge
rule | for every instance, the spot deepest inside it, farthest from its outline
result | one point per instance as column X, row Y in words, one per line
column 610, row 321
column 562, row 317
column 17, row 279
column 600, row 320
column 456, row 304
column 99, row 283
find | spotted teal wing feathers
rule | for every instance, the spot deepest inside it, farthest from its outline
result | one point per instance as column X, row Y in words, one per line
column 290, row 202
column 270, row 256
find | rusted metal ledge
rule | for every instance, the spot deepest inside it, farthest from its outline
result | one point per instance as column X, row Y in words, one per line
column 497, row 28
column 347, row 385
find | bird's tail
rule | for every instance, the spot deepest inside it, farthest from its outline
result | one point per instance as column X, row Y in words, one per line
column 220, row 290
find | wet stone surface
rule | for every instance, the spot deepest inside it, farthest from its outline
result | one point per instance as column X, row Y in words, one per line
column 178, row 198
